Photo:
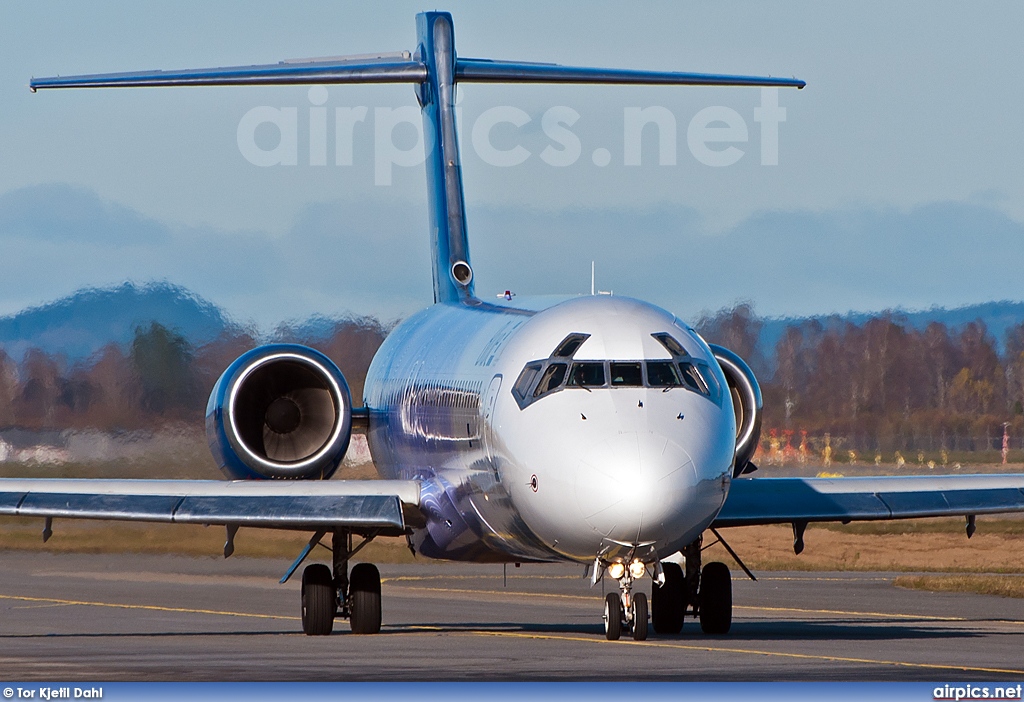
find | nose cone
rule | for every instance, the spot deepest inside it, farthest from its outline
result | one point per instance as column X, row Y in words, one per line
column 636, row 486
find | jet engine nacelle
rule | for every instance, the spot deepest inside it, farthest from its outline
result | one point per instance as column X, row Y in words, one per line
column 746, row 403
column 280, row 411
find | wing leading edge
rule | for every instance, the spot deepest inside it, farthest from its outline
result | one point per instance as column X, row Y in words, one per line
column 389, row 506
column 754, row 501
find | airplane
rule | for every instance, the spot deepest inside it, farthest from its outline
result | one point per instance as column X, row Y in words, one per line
column 599, row 430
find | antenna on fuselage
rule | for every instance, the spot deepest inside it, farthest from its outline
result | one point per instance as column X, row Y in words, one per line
column 593, row 287
column 434, row 68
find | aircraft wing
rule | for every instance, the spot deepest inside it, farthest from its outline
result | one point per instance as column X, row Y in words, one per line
column 800, row 500
column 387, row 506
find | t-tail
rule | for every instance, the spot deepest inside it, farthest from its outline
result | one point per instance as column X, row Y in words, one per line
column 435, row 69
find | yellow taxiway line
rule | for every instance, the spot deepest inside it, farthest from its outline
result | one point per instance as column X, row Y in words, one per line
column 152, row 608
column 582, row 639
column 754, row 652
column 591, row 598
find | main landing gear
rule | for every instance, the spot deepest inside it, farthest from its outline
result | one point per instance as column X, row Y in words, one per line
column 702, row 593
column 327, row 595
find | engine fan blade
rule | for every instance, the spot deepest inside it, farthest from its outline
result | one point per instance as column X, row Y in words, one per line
column 317, row 416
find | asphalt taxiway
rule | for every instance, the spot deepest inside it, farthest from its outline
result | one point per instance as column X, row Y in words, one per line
column 130, row 617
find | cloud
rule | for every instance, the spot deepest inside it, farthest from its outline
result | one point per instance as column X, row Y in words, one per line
column 336, row 258
column 58, row 212
column 786, row 262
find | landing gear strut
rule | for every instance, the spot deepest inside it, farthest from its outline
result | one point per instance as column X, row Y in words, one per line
column 625, row 610
column 328, row 593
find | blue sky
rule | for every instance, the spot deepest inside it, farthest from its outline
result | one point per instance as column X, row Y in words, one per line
column 898, row 183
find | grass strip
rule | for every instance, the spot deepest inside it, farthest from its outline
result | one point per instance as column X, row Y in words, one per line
column 81, row 536
column 1000, row 585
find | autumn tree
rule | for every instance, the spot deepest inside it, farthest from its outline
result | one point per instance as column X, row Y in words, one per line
column 36, row 404
column 162, row 360
column 737, row 329
column 9, row 389
column 116, row 391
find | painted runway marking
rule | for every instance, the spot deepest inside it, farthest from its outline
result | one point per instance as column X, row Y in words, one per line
column 427, row 629
column 756, row 652
column 821, row 579
column 844, row 613
column 499, row 593
column 756, row 608
column 154, row 608
column 410, row 578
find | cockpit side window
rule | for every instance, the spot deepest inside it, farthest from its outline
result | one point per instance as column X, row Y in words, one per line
column 693, row 379
column 626, row 374
column 551, row 379
column 669, row 342
column 695, row 374
column 662, row 374
column 570, row 345
column 521, row 389
column 587, row 375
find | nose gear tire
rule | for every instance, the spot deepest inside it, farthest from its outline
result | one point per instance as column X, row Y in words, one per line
column 640, row 616
column 612, row 616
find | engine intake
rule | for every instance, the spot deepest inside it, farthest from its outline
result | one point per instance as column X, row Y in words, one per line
column 746, row 403
column 280, row 411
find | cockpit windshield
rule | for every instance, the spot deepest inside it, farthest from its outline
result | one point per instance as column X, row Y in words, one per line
column 587, row 375
column 542, row 378
column 626, row 374
column 663, row 374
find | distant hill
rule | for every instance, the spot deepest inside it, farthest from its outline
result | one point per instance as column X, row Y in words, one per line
column 997, row 316
column 82, row 323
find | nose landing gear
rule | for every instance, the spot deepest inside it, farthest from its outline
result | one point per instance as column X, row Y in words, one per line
column 625, row 610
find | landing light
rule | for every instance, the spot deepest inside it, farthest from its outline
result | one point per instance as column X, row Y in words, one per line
column 637, row 569
column 616, row 571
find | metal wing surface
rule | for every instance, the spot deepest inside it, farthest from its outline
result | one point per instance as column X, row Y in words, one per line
column 385, row 505
column 399, row 67
column 786, row 500
column 388, row 68
column 472, row 70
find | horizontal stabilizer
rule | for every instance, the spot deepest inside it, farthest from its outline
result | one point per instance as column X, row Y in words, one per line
column 398, row 68
column 387, row 69
column 486, row 71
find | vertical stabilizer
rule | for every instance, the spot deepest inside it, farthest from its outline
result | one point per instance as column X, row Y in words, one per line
column 453, row 275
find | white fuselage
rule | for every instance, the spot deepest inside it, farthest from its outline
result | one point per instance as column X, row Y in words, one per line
column 572, row 470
